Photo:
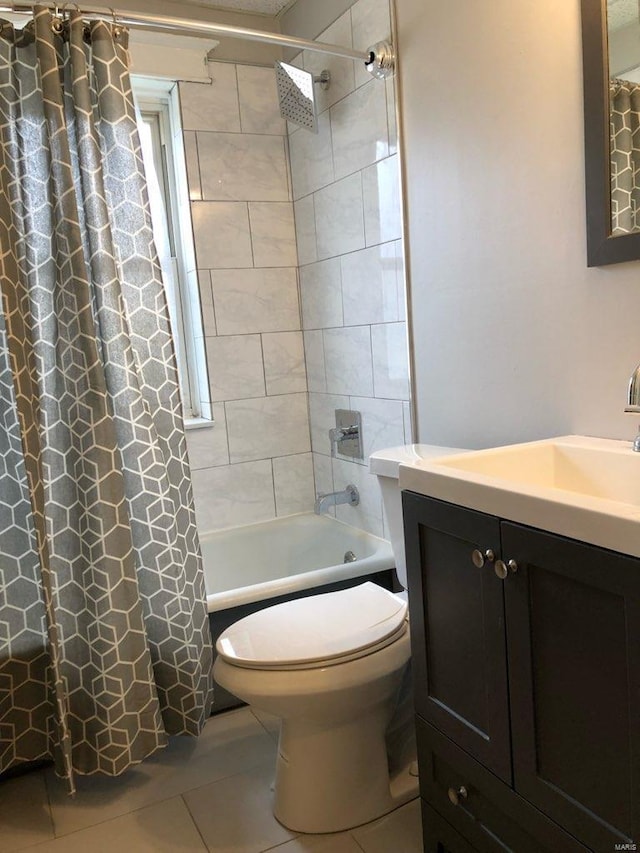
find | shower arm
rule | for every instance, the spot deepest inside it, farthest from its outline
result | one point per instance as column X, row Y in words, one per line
column 378, row 59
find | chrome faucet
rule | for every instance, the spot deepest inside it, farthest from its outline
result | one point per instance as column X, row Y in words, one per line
column 350, row 496
column 633, row 401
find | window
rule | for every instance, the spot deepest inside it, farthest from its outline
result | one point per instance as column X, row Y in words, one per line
column 161, row 140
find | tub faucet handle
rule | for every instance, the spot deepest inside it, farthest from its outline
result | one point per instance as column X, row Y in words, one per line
column 346, row 437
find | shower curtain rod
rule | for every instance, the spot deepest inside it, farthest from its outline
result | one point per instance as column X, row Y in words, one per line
column 203, row 28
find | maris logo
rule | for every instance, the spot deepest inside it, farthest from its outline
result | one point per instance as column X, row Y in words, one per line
column 628, row 846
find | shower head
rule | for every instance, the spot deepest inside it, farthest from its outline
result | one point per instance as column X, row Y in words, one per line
column 296, row 94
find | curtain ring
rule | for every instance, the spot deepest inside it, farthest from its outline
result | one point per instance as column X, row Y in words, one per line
column 57, row 24
column 117, row 29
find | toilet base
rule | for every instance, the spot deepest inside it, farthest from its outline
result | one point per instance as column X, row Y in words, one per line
column 332, row 779
column 337, row 724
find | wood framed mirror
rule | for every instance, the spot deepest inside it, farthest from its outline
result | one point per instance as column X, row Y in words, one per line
column 613, row 234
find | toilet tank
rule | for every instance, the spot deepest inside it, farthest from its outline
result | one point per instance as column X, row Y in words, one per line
column 385, row 464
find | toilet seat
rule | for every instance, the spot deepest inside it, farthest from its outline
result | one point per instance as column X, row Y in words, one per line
column 316, row 631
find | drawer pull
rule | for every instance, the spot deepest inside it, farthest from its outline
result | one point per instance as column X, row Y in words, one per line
column 479, row 559
column 457, row 794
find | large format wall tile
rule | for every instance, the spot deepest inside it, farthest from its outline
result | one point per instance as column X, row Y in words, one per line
column 233, row 495
column 293, row 484
column 235, row 367
column 408, row 426
column 342, row 70
column 402, row 290
column 384, row 423
column 259, row 108
column 193, row 166
column 339, row 217
column 370, row 285
column 304, row 214
column 242, row 167
column 268, row 427
column 359, row 129
column 357, row 218
column 255, row 300
column 206, row 303
column 323, row 476
column 208, row 446
column 284, row 363
column 247, row 259
column 221, row 231
column 368, row 514
column 347, row 236
column 381, row 193
column 347, row 356
column 314, row 358
column 321, row 294
column 390, row 361
column 273, row 234
column 392, row 118
column 214, row 106
column 311, row 158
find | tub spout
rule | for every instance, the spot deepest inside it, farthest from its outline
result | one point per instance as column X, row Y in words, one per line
column 350, row 496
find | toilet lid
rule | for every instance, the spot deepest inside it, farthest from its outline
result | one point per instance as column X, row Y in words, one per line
column 316, row 629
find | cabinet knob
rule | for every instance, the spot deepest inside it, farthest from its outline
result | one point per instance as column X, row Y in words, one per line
column 457, row 794
column 479, row 559
column 502, row 569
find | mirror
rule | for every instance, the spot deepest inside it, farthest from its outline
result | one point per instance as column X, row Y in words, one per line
column 611, row 69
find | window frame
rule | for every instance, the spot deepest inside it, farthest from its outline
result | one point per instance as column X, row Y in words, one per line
column 157, row 98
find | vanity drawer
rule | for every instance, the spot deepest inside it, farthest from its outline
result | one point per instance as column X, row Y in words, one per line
column 439, row 836
column 489, row 814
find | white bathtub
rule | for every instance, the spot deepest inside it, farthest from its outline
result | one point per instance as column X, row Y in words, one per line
column 283, row 556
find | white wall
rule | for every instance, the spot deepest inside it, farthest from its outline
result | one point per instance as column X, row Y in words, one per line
column 514, row 338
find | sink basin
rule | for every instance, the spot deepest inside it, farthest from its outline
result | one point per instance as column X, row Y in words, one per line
column 577, row 486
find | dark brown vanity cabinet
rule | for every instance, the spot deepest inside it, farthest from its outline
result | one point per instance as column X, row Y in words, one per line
column 526, row 657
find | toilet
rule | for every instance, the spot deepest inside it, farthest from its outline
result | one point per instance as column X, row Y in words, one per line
column 335, row 668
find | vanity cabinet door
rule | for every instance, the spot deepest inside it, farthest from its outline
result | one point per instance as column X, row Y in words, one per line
column 457, row 627
column 573, row 637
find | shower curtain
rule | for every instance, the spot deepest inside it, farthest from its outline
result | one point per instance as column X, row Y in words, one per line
column 625, row 156
column 104, row 641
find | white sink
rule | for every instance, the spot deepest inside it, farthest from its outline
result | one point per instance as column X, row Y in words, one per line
column 581, row 487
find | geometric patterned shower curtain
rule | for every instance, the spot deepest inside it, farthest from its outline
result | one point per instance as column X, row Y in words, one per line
column 624, row 104
column 104, row 639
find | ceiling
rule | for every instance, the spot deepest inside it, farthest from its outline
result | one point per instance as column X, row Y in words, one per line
column 262, row 7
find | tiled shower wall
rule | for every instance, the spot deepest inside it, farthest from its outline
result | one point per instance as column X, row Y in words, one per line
column 347, row 209
column 317, row 306
column 255, row 462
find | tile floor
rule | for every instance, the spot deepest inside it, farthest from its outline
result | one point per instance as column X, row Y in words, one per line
column 210, row 794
